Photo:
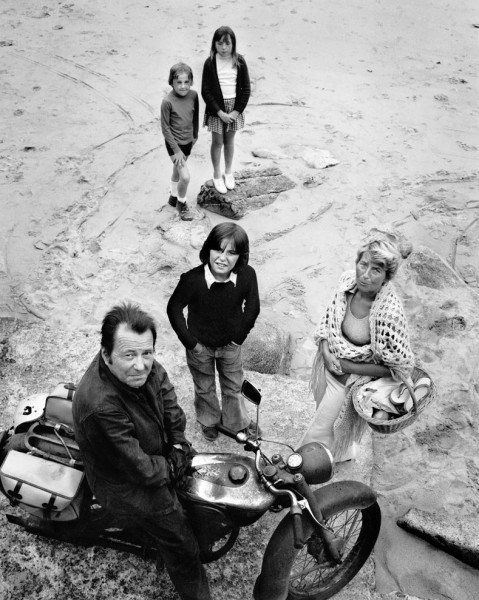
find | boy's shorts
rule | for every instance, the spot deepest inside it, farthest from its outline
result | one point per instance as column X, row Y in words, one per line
column 186, row 149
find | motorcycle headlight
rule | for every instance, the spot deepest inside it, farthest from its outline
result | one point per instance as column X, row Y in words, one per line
column 318, row 462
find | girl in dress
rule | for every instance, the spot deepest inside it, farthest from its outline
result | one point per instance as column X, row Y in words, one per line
column 226, row 90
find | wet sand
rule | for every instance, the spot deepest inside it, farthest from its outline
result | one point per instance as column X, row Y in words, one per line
column 389, row 90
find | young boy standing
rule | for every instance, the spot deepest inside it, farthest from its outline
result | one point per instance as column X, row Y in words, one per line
column 179, row 125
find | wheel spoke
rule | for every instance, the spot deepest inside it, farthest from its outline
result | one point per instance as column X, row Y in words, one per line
column 311, row 570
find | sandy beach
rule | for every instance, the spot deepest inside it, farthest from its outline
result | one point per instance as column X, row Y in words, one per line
column 389, row 92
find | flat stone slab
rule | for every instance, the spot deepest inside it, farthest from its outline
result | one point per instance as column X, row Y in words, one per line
column 456, row 535
column 254, row 189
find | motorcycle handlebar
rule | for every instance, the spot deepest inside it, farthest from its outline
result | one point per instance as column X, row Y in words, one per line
column 296, row 511
column 226, row 431
column 298, row 531
column 240, row 437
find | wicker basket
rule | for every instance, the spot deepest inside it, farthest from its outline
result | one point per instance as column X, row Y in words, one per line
column 394, row 425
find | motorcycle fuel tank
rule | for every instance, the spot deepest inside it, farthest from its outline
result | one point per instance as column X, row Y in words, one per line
column 230, row 480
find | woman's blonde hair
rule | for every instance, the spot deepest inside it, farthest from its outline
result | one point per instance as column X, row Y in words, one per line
column 385, row 250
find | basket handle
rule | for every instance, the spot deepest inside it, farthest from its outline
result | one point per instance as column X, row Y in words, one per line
column 411, row 392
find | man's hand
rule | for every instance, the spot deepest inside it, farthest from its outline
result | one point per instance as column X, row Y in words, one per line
column 179, row 460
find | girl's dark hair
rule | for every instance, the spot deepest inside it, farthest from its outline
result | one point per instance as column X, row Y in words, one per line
column 220, row 33
column 178, row 68
column 229, row 232
column 130, row 314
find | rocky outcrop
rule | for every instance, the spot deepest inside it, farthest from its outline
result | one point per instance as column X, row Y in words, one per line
column 267, row 349
column 430, row 270
column 254, row 189
column 458, row 536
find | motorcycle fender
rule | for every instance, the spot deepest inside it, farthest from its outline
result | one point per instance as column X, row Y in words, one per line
column 339, row 495
column 272, row 582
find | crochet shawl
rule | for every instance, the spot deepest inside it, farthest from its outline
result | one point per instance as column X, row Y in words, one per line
column 389, row 346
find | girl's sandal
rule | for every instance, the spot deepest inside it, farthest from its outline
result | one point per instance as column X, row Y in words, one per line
column 220, row 186
column 230, row 181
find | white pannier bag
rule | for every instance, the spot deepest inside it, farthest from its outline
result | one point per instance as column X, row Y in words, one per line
column 38, row 483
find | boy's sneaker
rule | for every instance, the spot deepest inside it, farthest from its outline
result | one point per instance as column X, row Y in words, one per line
column 172, row 200
column 184, row 212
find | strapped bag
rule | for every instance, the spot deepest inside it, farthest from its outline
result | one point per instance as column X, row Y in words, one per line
column 38, row 483
column 43, row 470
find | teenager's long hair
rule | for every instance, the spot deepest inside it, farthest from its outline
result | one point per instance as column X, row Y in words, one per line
column 227, row 232
column 220, row 33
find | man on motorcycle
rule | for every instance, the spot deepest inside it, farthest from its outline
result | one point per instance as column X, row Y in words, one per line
column 131, row 432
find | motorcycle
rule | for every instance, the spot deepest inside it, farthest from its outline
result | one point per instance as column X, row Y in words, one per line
column 318, row 547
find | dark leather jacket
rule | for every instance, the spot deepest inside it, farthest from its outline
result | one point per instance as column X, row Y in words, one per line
column 124, row 435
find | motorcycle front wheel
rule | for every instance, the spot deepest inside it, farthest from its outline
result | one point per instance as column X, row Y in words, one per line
column 308, row 574
column 312, row 575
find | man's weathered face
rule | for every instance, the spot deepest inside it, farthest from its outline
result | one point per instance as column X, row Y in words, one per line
column 132, row 356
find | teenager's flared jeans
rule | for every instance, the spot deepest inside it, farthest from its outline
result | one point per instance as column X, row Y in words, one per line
column 227, row 362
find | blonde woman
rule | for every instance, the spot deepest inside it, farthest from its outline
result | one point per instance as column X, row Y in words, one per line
column 363, row 335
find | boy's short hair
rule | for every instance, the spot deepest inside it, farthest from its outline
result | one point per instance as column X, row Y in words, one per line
column 229, row 232
column 178, row 68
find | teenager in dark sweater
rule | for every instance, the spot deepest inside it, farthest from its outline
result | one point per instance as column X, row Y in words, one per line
column 222, row 299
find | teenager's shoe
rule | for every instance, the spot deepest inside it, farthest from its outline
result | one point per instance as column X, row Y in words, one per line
column 184, row 212
column 230, row 181
column 220, row 186
column 172, row 200
column 209, row 433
